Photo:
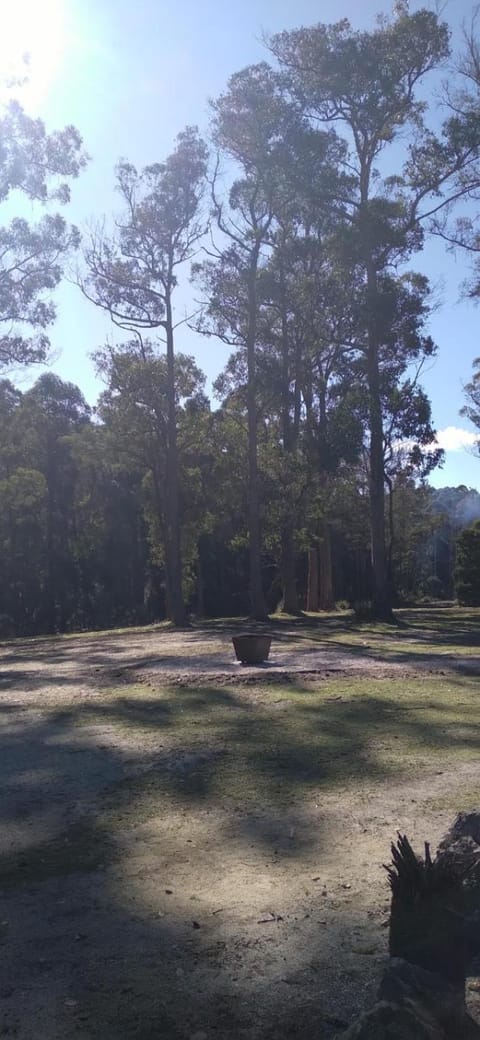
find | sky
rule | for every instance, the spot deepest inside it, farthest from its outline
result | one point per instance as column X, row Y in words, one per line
column 130, row 76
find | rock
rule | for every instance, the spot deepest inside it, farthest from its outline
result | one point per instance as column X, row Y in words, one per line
column 463, row 855
column 434, row 926
column 465, row 825
column 393, row 1022
column 405, row 983
column 460, row 848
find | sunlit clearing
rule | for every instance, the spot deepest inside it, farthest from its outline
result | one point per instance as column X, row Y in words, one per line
column 32, row 30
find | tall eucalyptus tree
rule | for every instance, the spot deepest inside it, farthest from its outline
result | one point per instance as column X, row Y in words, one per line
column 261, row 133
column 133, row 274
column 369, row 84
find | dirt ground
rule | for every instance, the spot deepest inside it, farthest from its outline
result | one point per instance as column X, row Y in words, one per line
column 144, row 892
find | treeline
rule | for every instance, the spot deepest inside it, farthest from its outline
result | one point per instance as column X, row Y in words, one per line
column 297, row 223
column 82, row 507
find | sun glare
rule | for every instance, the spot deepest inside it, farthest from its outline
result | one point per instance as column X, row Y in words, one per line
column 32, row 40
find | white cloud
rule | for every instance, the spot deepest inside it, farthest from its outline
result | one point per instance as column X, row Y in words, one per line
column 454, row 438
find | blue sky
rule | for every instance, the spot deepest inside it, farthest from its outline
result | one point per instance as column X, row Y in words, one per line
column 130, row 76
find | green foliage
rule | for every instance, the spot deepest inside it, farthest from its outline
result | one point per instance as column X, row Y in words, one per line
column 369, row 86
column 467, row 571
column 131, row 273
column 39, row 165
column 472, row 394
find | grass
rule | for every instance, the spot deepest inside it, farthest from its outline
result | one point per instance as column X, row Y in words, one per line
column 258, row 755
column 466, row 798
column 439, row 631
column 267, row 750
column 157, row 626
column 420, row 631
column 277, row 746
column 416, row 632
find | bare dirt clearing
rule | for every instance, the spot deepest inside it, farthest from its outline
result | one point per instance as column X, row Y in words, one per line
column 90, row 661
column 188, row 850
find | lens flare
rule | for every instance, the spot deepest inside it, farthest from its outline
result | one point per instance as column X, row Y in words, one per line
column 32, row 42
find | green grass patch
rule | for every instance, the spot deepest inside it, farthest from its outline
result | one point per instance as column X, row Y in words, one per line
column 415, row 633
column 274, row 746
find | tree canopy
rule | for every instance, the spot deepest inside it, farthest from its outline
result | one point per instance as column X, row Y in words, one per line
column 39, row 166
column 301, row 223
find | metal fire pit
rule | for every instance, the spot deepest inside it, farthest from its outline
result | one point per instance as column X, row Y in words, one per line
column 251, row 647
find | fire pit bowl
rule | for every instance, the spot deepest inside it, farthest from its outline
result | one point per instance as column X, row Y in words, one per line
column 251, row 647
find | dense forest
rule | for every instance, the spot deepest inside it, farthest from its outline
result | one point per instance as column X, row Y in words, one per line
column 302, row 483
column 81, row 511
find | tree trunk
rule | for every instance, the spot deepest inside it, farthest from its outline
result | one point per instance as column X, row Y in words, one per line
column 381, row 607
column 289, row 581
column 428, row 914
column 326, row 597
column 391, row 540
column 50, row 596
column 161, row 508
column 258, row 608
column 312, row 584
column 200, row 585
column 176, row 605
column 290, row 435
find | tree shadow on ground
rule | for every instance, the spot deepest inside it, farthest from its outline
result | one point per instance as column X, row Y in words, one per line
column 98, row 963
column 84, row 952
column 448, row 626
column 105, row 935
column 458, row 627
column 29, row 665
